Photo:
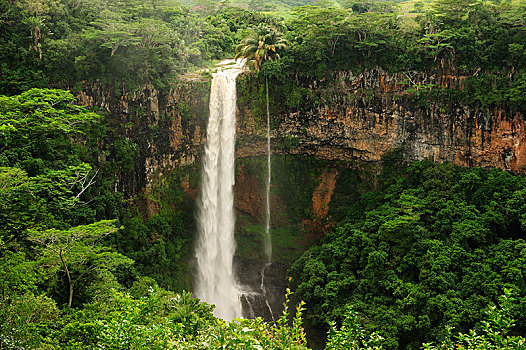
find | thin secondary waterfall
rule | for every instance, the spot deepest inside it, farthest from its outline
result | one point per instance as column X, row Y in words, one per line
column 216, row 283
column 268, row 240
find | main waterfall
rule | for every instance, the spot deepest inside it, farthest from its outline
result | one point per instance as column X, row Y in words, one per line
column 216, row 283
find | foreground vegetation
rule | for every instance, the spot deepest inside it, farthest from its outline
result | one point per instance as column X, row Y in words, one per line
column 149, row 317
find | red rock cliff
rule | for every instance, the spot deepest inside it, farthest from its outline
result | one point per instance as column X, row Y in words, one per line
column 355, row 117
column 361, row 117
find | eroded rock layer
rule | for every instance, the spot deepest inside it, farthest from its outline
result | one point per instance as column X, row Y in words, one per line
column 361, row 117
column 354, row 118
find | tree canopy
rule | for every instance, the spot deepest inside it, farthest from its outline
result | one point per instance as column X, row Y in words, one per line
column 437, row 238
column 262, row 44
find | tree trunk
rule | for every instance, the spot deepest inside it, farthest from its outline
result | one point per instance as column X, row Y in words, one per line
column 70, row 300
column 70, row 291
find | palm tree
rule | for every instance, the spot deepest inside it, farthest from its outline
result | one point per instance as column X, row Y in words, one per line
column 38, row 30
column 261, row 45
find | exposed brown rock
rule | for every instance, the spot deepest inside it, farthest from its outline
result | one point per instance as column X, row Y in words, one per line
column 248, row 196
column 152, row 207
column 176, row 132
column 323, row 194
column 168, row 128
column 365, row 126
column 254, row 148
column 185, row 184
column 316, row 227
column 358, row 117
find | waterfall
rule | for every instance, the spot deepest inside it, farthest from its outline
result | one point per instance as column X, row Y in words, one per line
column 264, row 291
column 268, row 240
column 216, row 283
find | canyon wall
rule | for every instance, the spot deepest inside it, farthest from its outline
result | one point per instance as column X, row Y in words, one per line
column 164, row 130
column 361, row 117
column 348, row 117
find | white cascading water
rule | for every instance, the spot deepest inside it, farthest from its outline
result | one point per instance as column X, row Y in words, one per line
column 216, row 283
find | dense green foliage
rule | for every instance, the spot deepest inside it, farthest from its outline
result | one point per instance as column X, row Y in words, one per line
column 493, row 332
column 483, row 48
column 262, row 44
column 48, row 145
column 56, row 249
column 129, row 42
column 161, row 243
column 52, row 177
column 427, row 250
column 126, row 43
column 465, row 36
column 51, row 236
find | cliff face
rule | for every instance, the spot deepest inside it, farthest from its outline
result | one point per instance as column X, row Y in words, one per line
column 165, row 130
column 354, row 118
column 361, row 117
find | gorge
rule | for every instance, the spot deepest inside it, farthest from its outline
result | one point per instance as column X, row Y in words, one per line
column 374, row 195
column 356, row 119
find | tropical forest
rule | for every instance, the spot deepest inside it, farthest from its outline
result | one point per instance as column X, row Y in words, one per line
column 263, row 174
